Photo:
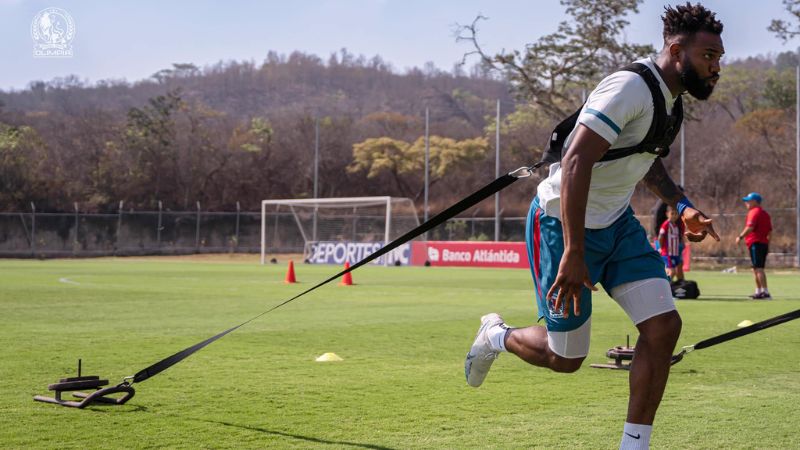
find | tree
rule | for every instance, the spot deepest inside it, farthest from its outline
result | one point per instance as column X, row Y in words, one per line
column 403, row 160
column 786, row 60
column 783, row 29
column 739, row 93
column 768, row 136
column 384, row 154
column 522, row 132
column 179, row 70
column 391, row 124
column 150, row 140
column 550, row 71
column 779, row 89
column 765, row 124
column 255, row 138
column 21, row 160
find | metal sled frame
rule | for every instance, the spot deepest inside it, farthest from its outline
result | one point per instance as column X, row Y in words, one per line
column 620, row 354
column 79, row 383
column 100, row 395
column 622, row 357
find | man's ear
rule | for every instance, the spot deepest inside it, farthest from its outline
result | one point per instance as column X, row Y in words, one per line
column 675, row 49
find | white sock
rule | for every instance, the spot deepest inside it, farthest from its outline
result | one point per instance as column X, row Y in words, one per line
column 497, row 337
column 635, row 437
column 764, row 291
column 759, row 290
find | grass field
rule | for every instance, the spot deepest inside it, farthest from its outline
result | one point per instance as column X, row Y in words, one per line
column 403, row 334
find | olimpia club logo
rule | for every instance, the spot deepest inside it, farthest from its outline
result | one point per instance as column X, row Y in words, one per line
column 52, row 30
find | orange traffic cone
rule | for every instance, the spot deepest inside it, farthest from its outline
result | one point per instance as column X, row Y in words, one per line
column 290, row 278
column 347, row 279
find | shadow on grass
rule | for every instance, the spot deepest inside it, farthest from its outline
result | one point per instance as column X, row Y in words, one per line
column 727, row 298
column 106, row 408
column 716, row 298
column 296, row 436
column 732, row 298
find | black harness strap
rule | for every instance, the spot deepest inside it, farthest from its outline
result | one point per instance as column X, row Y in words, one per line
column 466, row 203
column 662, row 131
column 663, row 127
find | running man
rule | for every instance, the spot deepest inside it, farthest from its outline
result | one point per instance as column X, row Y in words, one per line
column 756, row 234
column 581, row 229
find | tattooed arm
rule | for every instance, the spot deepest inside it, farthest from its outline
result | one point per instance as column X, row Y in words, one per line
column 698, row 226
column 658, row 180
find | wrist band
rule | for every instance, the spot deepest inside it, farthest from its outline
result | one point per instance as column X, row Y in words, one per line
column 683, row 203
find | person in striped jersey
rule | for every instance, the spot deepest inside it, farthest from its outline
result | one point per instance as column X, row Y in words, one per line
column 670, row 240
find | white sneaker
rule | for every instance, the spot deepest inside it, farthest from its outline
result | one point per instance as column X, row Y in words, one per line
column 481, row 356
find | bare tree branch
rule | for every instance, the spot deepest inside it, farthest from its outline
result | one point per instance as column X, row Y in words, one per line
column 551, row 72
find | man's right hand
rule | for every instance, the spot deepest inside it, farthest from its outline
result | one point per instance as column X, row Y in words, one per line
column 698, row 226
column 573, row 276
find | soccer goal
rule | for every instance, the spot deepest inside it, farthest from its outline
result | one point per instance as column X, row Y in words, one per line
column 334, row 230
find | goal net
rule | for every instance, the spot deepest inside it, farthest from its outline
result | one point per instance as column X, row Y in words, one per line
column 336, row 230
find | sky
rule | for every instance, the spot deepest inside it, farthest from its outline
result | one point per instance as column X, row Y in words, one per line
column 134, row 39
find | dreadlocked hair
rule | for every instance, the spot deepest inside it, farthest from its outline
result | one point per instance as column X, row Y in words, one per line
column 689, row 19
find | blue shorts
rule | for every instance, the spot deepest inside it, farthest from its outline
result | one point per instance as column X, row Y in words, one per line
column 617, row 254
column 672, row 261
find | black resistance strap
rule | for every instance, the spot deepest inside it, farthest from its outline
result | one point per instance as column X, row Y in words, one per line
column 466, row 203
column 764, row 324
column 747, row 330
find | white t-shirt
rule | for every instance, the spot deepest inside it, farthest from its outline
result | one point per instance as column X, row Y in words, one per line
column 620, row 109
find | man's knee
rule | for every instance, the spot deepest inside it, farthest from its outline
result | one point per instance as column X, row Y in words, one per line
column 662, row 329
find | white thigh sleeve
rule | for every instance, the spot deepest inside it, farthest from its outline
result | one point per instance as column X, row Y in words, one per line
column 644, row 299
column 571, row 344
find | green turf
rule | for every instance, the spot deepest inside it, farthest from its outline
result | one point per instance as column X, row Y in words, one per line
column 403, row 334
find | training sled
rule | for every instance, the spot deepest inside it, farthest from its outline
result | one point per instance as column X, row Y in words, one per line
column 620, row 355
column 81, row 383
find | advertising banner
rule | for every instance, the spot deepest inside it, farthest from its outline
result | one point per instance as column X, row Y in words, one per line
column 337, row 252
column 470, row 254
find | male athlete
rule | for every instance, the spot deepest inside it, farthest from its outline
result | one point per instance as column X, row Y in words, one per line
column 581, row 229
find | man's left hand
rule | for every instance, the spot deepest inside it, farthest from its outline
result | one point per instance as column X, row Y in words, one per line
column 698, row 226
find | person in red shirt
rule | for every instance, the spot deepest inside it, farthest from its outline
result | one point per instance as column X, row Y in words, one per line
column 670, row 244
column 756, row 235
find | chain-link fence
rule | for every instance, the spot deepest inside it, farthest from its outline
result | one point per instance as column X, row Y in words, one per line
column 36, row 234
column 78, row 234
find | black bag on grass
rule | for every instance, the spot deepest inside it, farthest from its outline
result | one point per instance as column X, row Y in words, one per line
column 685, row 289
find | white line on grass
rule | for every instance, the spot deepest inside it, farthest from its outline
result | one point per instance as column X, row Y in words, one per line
column 68, row 281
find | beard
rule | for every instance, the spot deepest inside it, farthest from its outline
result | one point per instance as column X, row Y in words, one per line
column 697, row 87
